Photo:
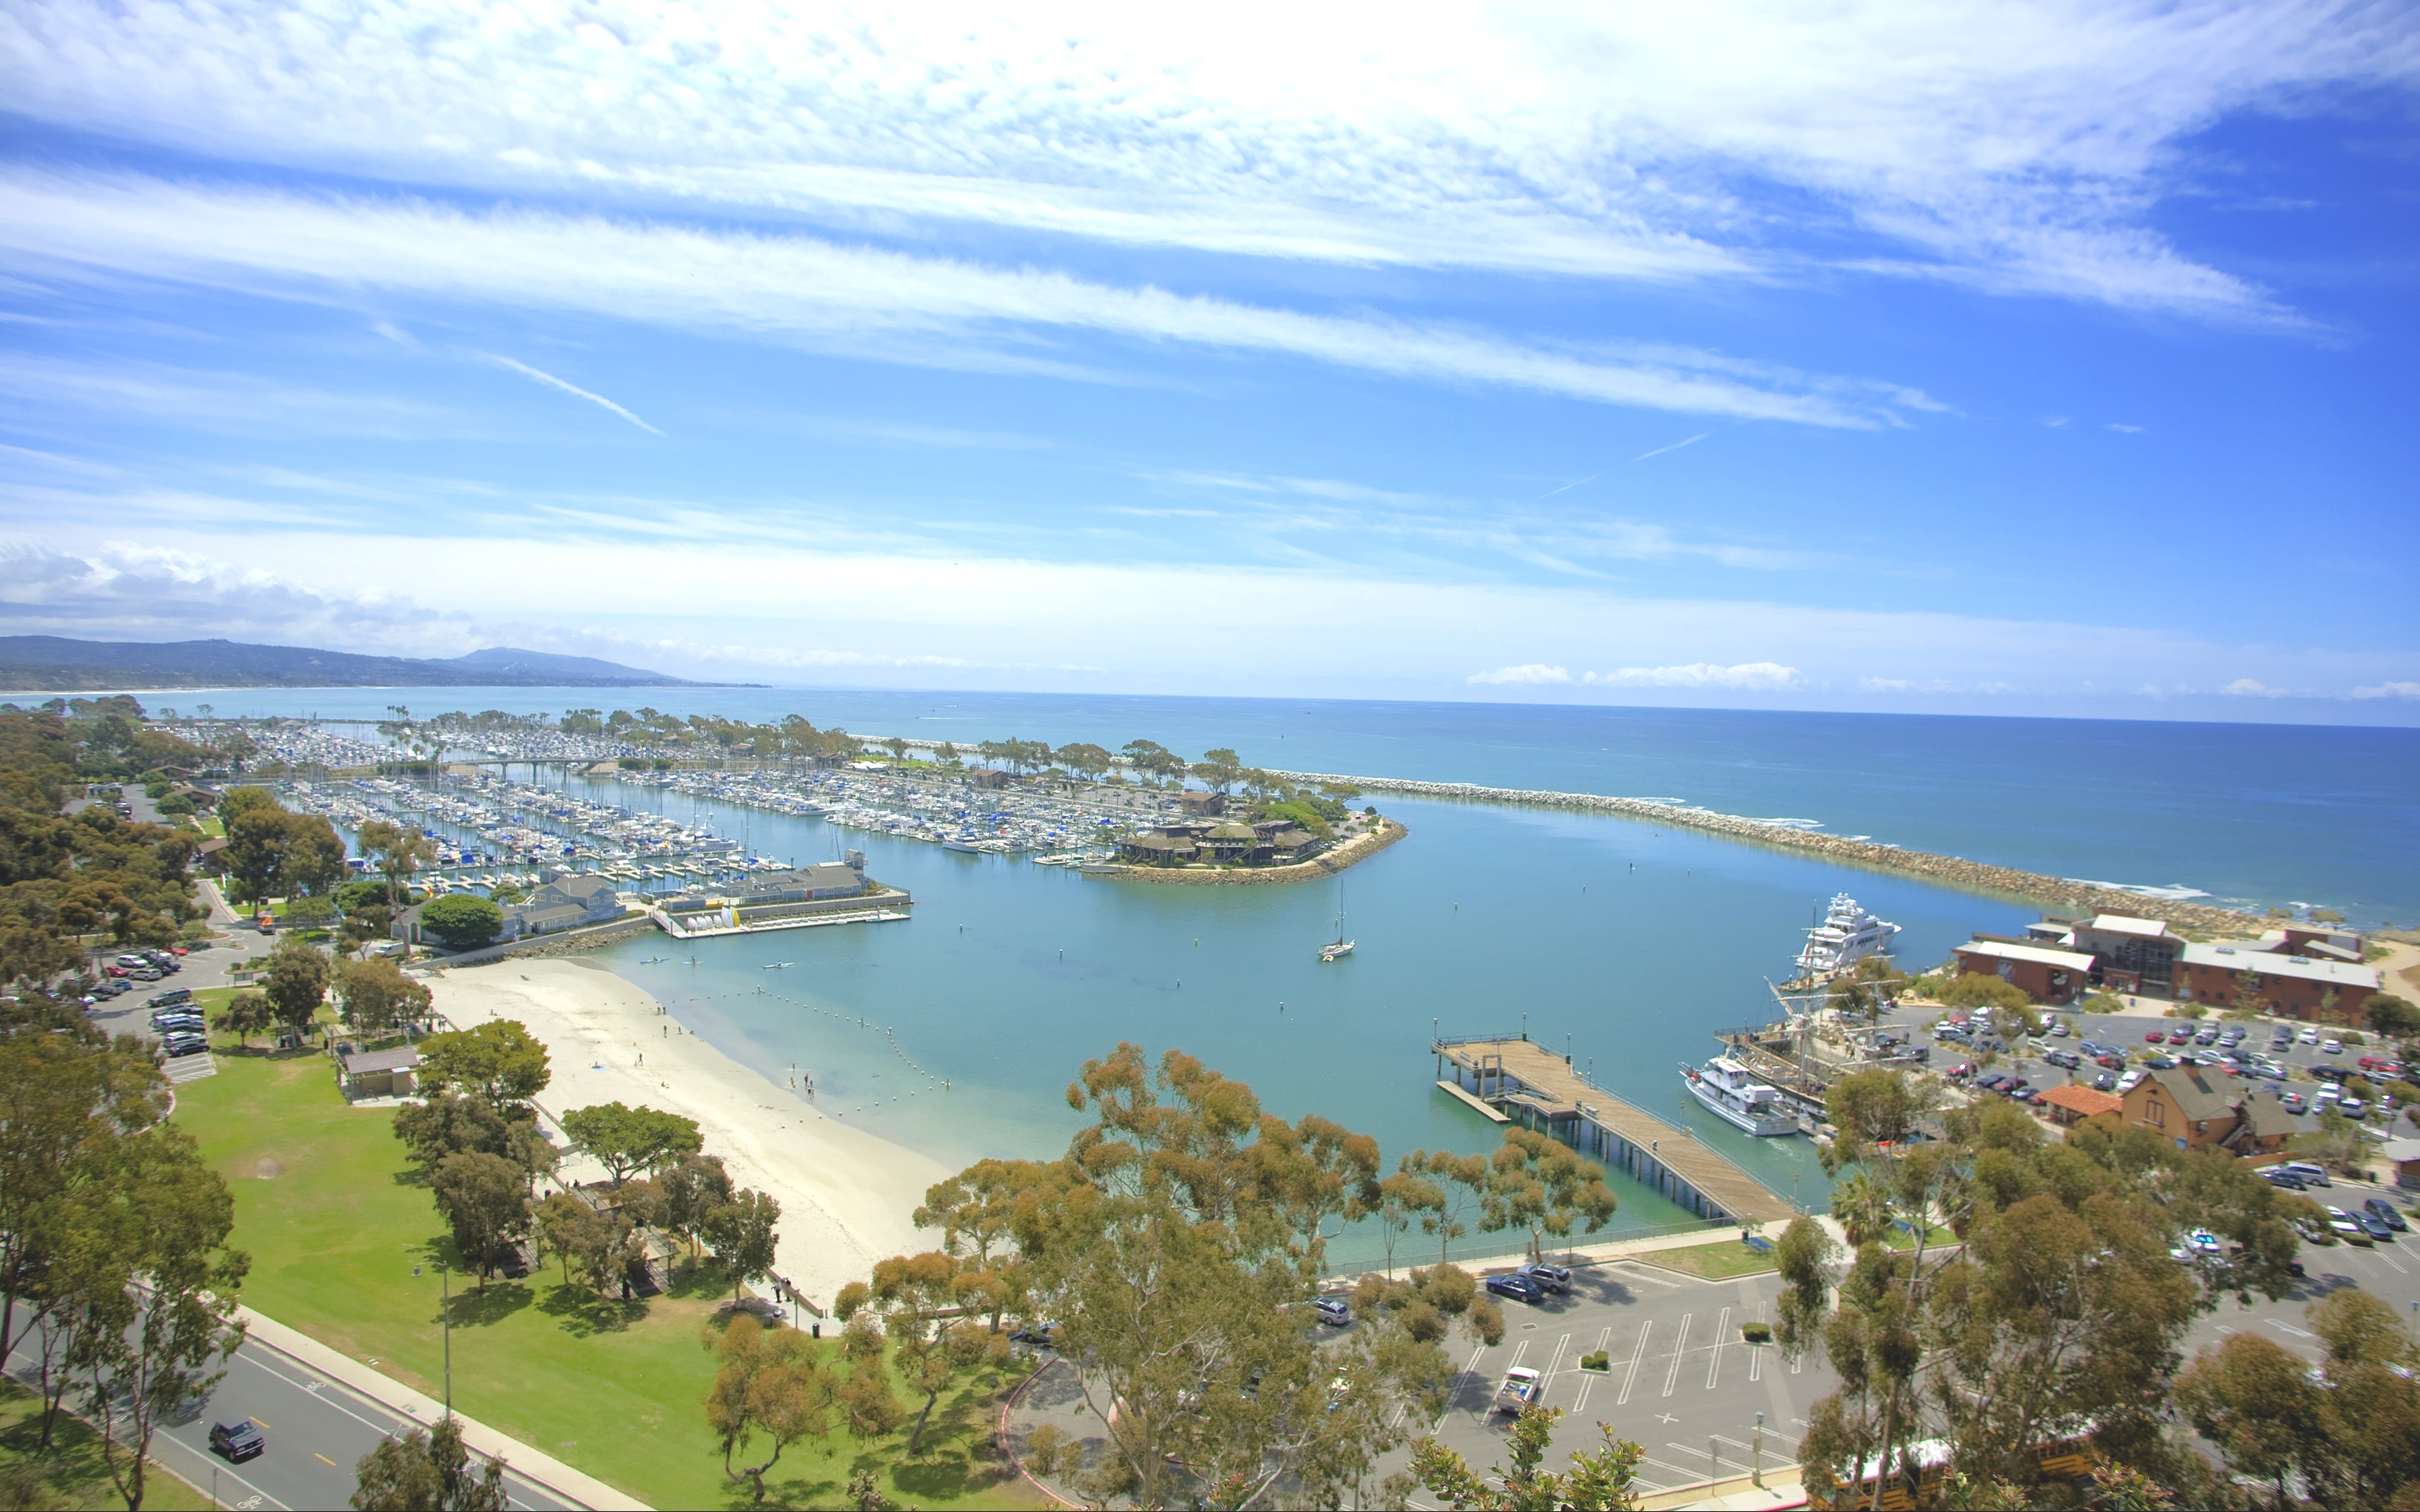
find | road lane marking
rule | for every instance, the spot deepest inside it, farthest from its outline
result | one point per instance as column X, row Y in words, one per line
column 1755, row 1354
column 1546, row 1381
column 1672, row 1377
column 323, row 1459
column 2298, row 1333
column 1635, row 1355
column 1722, row 1336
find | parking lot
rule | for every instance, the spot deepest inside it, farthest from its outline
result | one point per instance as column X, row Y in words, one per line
column 2304, row 1061
column 1680, row 1380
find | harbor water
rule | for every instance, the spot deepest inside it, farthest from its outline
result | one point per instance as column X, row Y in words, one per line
column 1632, row 943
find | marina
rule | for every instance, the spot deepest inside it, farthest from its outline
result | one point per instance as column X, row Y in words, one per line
column 1729, row 1090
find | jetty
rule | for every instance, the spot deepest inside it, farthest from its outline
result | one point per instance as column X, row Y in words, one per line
column 1795, row 835
column 1528, row 1083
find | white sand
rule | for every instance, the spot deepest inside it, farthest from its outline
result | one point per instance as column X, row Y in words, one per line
column 846, row 1194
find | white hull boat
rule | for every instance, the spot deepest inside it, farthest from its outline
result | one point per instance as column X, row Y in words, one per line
column 1732, row 1094
column 1847, row 936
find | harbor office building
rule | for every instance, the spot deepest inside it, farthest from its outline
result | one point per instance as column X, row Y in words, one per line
column 2299, row 971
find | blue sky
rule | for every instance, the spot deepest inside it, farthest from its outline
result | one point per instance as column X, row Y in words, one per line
column 2055, row 359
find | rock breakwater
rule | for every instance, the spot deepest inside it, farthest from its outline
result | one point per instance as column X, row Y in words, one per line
column 1948, row 871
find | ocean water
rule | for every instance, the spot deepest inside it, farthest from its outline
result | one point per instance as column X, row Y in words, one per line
column 1633, row 943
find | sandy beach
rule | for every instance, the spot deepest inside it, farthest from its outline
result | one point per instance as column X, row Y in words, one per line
column 845, row 1194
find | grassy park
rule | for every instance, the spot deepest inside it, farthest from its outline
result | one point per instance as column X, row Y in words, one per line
column 1717, row 1261
column 616, row 1389
column 72, row 1472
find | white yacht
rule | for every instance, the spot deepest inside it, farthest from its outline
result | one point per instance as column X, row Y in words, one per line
column 1847, row 936
column 1732, row 1094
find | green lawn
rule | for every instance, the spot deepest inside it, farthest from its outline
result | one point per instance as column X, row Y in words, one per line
column 613, row 1389
column 1718, row 1261
column 70, row 1473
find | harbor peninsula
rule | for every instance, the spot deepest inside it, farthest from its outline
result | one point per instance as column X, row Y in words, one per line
column 1948, row 871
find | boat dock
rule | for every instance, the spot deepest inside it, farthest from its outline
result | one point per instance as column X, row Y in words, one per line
column 718, row 921
column 1526, row 1080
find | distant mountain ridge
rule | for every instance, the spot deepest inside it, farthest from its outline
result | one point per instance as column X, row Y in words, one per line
column 51, row 663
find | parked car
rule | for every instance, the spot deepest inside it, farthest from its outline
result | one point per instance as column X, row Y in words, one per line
column 2384, row 1212
column 2341, row 1225
column 1518, row 1288
column 2111, row 1059
column 184, row 1044
column 2331, row 1047
column 2352, row 1108
column 2206, row 1036
column 1521, row 1388
column 2154, row 1037
column 2060, row 1030
column 2314, row 1175
column 1555, row 1278
column 2161, row 1062
column 169, row 999
column 2179, row 1037
column 1037, row 1335
column 2287, row 1180
column 2309, row 1037
column 2105, row 1082
column 1332, row 1311
column 238, row 1441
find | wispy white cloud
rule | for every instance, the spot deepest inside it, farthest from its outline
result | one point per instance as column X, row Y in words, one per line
column 2388, row 690
column 1674, row 447
column 2016, row 147
column 2252, row 687
column 1753, row 676
column 1529, row 674
column 807, row 291
column 573, row 389
column 2124, row 429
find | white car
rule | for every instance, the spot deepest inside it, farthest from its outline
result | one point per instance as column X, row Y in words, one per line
column 2309, row 1037
column 2331, row 1047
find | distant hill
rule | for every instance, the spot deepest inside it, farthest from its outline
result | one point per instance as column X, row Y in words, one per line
column 55, row 664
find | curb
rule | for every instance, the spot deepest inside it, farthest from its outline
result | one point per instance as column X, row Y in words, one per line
column 1008, row 1449
column 531, row 1463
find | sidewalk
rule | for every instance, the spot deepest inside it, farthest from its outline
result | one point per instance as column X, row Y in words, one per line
column 556, row 1476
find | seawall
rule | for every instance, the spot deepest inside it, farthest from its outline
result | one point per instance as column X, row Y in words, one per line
column 1948, row 871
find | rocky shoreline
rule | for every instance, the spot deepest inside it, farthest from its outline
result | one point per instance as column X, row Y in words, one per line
column 1946, row 871
column 1359, row 848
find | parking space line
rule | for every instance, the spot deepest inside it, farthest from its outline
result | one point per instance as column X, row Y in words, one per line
column 1720, row 1459
column 2385, row 1259
column 1672, row 1377
column 1687, row 1474
column 1546, row 1381
column 1588, row 1377
column 1722, row 1336
column 1635, row 1355
column 1756, row 1356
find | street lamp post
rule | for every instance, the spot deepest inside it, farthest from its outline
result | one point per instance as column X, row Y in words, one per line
column 1756, row 1456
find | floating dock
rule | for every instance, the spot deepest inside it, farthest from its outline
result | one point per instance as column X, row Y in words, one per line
column 1519, row 1080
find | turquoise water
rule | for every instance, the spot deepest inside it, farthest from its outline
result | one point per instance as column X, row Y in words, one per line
column 1636, row 942
column 1630, row 943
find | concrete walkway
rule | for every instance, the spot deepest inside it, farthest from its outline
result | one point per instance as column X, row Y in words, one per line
column 536, row 1464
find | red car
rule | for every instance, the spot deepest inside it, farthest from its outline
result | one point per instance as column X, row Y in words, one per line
column 2182, row 1037
column 2155, row 1037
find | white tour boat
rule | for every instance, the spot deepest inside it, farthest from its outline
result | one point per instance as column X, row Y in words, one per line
column 1847, row 936
column 1732, row 1094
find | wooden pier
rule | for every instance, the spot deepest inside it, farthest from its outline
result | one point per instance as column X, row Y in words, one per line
column 1539, row 1087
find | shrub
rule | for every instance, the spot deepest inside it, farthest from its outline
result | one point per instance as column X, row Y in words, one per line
column 461, row 920
column 1757, row 1333
column 1595, row 1361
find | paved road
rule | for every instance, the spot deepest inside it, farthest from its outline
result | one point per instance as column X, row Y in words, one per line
column 317, row 1429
